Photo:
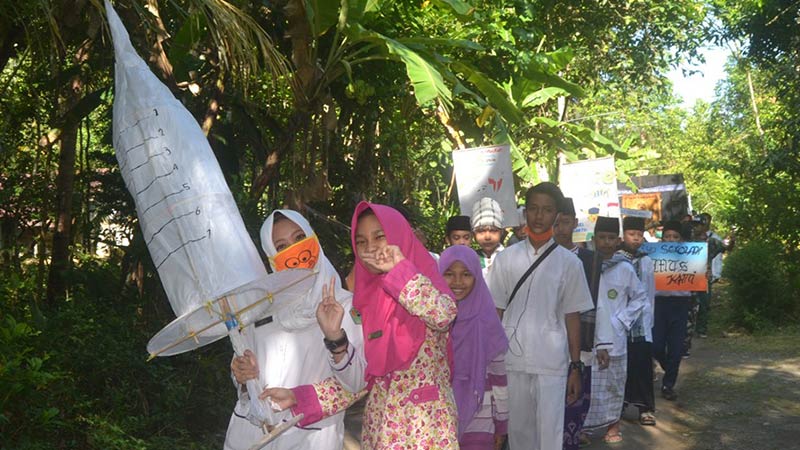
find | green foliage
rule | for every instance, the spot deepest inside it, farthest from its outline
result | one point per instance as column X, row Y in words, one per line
column 761, row 293
column 351, row 107
column 81, row 380
column 24, row 375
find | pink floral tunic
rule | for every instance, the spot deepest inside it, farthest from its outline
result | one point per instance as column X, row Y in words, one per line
column 409, row 409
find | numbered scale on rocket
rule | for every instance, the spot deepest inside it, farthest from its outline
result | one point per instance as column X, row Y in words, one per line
column 154, row 177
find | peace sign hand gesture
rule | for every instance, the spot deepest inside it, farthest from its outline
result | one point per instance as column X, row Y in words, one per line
column 330, row 313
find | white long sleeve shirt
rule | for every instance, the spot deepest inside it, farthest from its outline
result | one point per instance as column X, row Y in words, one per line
column 534, row 321
column 645, row 269
column 620, row 300
column 289, row 359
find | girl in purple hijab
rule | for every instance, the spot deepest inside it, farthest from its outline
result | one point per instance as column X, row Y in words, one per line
column 479, row 348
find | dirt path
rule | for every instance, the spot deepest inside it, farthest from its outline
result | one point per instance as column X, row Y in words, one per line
column 735, row 393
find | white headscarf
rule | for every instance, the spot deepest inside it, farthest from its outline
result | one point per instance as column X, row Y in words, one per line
column 303, row 312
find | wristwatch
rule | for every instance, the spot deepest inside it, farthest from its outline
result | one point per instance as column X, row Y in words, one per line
column 333, row 345
column 576, row 365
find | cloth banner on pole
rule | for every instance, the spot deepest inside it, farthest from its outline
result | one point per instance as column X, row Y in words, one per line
column 592, row 185
column 639, row 204
column 673, row 200
column 679, row 266
column 486, row 172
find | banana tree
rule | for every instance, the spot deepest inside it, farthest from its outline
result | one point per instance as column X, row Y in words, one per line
column 333, row 41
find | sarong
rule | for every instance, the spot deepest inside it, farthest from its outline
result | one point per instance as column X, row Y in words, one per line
column 608, row 393
column 575, row 413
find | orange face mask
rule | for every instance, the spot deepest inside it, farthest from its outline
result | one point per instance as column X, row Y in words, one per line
column 300, row 255
column 539, row 237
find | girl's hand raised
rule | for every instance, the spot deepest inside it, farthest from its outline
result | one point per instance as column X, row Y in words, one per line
column 384, row 259
column 330, row 313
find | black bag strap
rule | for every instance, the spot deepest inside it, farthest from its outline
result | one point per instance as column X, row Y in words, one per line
column 530, row 271
column 595, row 285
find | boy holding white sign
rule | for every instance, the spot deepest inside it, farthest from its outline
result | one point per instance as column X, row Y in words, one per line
column 621, row 298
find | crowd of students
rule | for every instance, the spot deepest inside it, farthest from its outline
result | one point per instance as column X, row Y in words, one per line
column 530, row 346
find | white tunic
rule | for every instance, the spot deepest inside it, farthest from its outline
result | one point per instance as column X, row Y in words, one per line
column 487, row 262
column 534, row 321
column 289, row 359
column 620, row 300
column 648, row 279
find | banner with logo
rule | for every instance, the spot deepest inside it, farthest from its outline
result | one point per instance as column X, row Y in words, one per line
column 486, row 172
column 592, row 185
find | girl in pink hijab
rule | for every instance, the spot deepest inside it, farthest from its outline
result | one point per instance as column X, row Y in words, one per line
column 406, row 309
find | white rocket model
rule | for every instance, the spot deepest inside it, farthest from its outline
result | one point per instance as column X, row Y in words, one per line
column 210, row 269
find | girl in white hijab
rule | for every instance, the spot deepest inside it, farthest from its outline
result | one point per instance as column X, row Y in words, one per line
column 285, row 348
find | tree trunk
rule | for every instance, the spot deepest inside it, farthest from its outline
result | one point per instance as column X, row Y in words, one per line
column 65, row 180
column 752, row 91
column 210, row 117
column 158, row 57
column 71, row 112
column 270, row 169
column 455, row 136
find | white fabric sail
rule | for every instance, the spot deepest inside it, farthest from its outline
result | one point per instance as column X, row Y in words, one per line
column 189, row 219
column 213, row 276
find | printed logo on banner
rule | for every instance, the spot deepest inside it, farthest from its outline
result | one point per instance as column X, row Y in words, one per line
column 592, row 185
column 486, row 172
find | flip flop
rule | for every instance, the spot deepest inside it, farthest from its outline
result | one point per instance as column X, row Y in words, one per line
column 613, row 438
column 647, row 418
column 584, row 441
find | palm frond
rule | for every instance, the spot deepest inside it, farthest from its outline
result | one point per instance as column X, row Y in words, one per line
column 241, row 41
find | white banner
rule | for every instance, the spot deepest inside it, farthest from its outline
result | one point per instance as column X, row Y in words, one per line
column 592, row 185
column 486, row 172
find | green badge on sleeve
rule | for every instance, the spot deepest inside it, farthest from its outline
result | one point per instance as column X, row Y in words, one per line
column 355, row 315
column 612, row 294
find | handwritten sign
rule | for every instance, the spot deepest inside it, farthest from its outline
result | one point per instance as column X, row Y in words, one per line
column 679, row 266
column 592, row 184
column 486, row 172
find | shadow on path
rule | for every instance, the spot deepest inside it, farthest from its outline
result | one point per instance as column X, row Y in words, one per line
column 734, row 394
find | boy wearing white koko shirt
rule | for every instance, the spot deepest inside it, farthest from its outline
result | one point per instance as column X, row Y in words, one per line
column 542, row 323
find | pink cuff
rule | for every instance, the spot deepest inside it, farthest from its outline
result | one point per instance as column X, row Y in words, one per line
column 397, row 278
column 501, row 427
column 307, row 404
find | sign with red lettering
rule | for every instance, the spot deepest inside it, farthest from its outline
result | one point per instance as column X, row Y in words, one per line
column 486, row 172
column 679, row 266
